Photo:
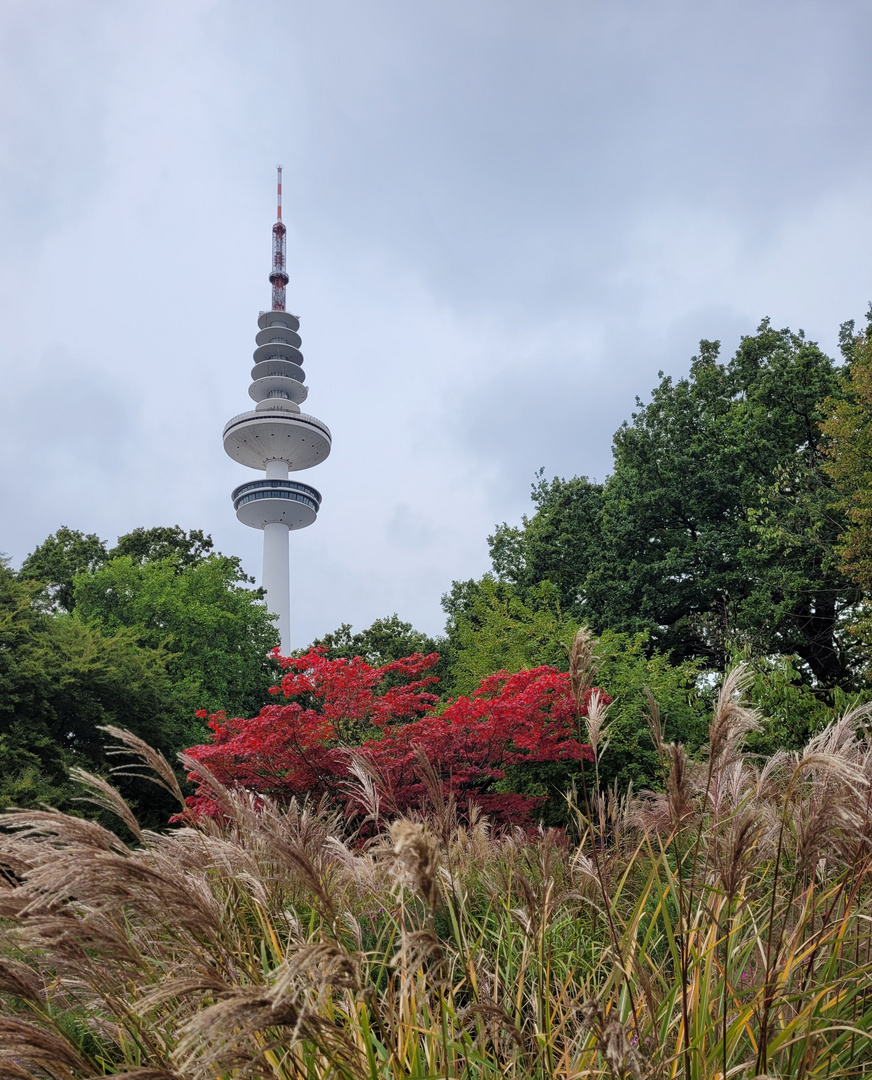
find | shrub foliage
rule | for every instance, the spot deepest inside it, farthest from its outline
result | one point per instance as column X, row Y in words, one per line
column 343, row 717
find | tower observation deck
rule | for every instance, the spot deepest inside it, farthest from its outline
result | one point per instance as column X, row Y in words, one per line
column 277, row 438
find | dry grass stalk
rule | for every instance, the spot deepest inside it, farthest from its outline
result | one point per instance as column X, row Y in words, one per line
column 416, row 859
column 583, row 664
column 597, row 730
column 143, row 762
column 621, row 1057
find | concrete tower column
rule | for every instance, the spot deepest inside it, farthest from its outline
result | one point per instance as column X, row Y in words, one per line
column 276, row 564
column 276, row 470
column 277, row 578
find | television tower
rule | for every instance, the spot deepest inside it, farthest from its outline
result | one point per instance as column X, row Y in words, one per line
column 278, row 439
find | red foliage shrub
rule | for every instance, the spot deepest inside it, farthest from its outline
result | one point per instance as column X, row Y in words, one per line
column 335, row 705
column 509, row 720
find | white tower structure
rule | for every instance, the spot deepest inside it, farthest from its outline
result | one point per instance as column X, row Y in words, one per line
column 278, row 439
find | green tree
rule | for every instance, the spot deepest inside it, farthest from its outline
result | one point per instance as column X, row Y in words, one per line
column 32, row 767
column 629, row 671
column 59, row 558
column 216, row 631
column 139, row 636
column 800, row 602
column 387, row 639
column 559, row 543
column 496, row 626
column 693, row 537
column 847, row 428
column 680, row 551
column 69, row 552
column 59, row 680
column 792, row 711
column 164, row 542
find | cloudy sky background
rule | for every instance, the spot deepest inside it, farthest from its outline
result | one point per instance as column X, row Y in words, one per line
column 504, row 218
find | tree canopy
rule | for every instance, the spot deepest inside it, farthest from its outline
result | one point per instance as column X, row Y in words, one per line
column 715, row 528
column 59, row 558
column 215, row 632
column 138, row 636
column 388, row 638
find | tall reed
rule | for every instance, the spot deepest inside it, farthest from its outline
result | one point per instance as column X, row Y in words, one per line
column 719, row 929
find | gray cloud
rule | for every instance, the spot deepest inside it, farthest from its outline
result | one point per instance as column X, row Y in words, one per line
column 504, row 219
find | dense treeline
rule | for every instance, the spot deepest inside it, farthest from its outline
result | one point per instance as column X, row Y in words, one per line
column 139, row 636
column 736, row 523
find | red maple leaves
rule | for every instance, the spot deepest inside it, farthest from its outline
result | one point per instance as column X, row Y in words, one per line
column 388, row 717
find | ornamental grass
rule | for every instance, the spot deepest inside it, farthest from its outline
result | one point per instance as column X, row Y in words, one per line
column 721, row 928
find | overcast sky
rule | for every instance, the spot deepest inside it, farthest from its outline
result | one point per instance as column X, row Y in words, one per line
column 504, row 218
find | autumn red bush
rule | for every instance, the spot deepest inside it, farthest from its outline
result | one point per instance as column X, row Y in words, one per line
column 388, row 717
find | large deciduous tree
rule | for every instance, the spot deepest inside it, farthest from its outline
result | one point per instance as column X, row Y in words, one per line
column 714, row 528
column 143, row 545
column 388, row 638
column 847, row 427
column 559, row 543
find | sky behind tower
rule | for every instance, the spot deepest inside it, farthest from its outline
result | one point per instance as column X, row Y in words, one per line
column 504, row 218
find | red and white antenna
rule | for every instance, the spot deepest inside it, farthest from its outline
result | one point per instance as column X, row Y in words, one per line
column 278, row 275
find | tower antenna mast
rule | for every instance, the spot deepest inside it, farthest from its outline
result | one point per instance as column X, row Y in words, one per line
column 278, row 275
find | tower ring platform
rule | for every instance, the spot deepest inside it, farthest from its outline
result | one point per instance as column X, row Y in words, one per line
column 262, row 502
column 278, row 318
column 261, row 388
column 254, row 438
column 266, row 368
column 278, row 333
column 278, row 350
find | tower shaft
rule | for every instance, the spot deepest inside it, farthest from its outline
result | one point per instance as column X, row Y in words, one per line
column 277, row 578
